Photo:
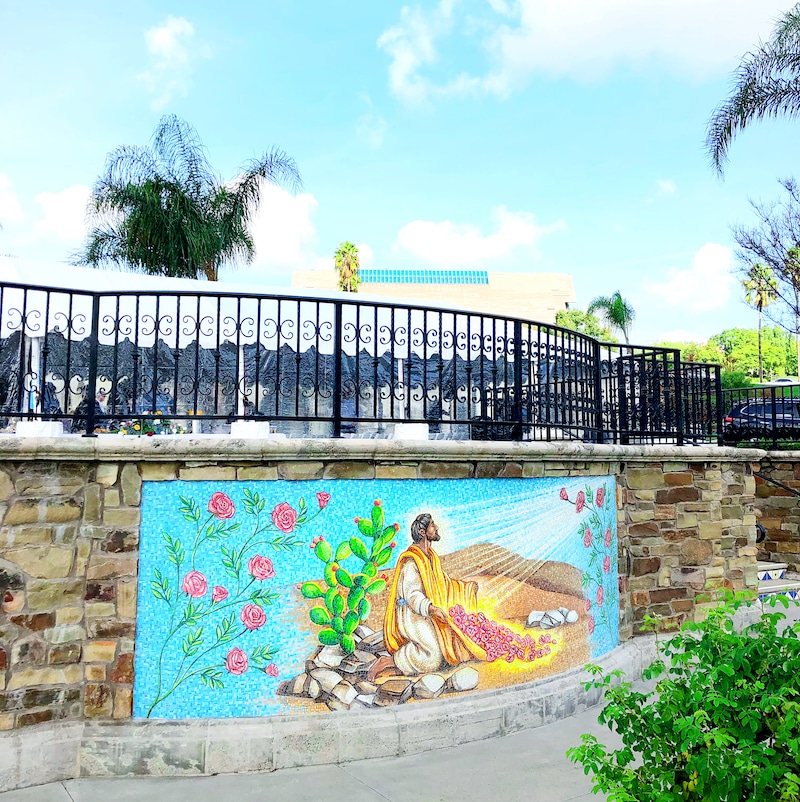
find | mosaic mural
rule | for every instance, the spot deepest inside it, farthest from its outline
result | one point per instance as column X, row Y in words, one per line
column 262, row 598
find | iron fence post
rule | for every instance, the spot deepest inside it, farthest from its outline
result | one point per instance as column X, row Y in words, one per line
column 517, row 408
column 338, row 356
column 598, row 393
column 719, row 405
column 91, row 389
column 679, row 422
column 624, row 431
column 774, row 418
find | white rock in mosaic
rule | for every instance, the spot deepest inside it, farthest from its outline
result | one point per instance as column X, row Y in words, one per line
column 345, row 693
column 534, row 618
column 465, row 679
column 326, row 678
column 572, row 616
column 429, row 686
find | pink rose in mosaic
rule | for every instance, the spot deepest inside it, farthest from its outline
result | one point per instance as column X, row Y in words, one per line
column 587, row 537
column 580, row 501
column 221, row 506
column 588, row 605
column 607, row 539
column 497, row 640
column 606, row 564
column 195, row 584
column 323, row 498
column 563, row 495
column 261, row 567
column 599, row 596
column 284, row 516
column 218, row 593
column 253, row 616
column 271, row 670
column 600, row 497
column 236, row 661
column 590, row 624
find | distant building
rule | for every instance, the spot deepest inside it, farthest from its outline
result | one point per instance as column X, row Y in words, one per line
column 532, row 296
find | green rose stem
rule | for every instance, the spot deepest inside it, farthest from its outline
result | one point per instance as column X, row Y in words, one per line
column 173, row 608
column 199, row 540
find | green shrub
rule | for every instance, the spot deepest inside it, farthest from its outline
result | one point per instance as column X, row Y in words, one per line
column 722, row 725
column 734, row 379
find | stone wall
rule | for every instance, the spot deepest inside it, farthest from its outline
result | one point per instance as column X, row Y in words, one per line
column 780, row 509
column 70, row 528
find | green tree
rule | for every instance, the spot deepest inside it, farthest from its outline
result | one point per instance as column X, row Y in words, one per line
column 760, row 291
column 614, row 311
column 766, row 84
column 740, row 349
column 162, row 210
column 583, row 322
column 695, row 352
column 347, row 265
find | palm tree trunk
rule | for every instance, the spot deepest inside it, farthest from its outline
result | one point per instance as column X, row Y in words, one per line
column 760, row 363
column 210, row 269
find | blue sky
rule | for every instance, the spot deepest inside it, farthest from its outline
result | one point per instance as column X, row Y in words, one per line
column 509, row 135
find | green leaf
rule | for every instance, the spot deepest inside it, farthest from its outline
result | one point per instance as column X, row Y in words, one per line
column 319, row 615
column 263, row 597
column 363, row 609
column 323, row 551
column 377, row 517
column 377, row 586
column 348, row 644
column 342, row 551
column 358, row 548
column 338, row 624
column 329, row 575
column 351, row 621
column 337, row 608
column 330, row 594
column 329, row 637
column 366, row 528
column 311, row 590
column 370, row 569
column 344, row 578
column 384, row 557
column 354, row 597
column 226, row 629
column 192, row 642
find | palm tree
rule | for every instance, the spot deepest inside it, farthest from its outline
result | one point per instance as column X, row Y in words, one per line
column 761, row 290
column 614, row 311
column 346, row 263
column 766, row 84
column 162, row 210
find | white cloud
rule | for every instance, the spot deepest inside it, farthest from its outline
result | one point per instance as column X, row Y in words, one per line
column 371, row 126
column 448, row 243
column 64, row 214
column 10, row 210
column 580, row 39
column 282, row 230
column 172, row 56
column 706, row 285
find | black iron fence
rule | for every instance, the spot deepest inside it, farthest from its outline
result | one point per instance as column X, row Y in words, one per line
column 168, row 362
column 767, row 415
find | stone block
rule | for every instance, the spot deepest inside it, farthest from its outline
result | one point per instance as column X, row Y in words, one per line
column 241, row 746
column 111, row 498
column 91, row 503
column 102, row 567
column 645, row 565
column 120, row 541
column 97, row 700
column 685, row 520
column 259, row 473
column 100, row 609
column 36, row 622
column 46, row 594
column 64, row 653
column 24, row 536
column 215, row 473
column 445, row 470
column 639, row 516
column 69, row 615
column 695, row 552
column 43, row 562
column 300, row 470
column 710, row 530
column 29, row 677
column 131, row 485
column 122, row 516
column 123, row 703
column 99, row 651
column 6, row 486
column 22, row 511
column 395, row 471
column 678, row 479
column 122, row 672
column 95, row 672
column 349, row 470
column 644, row 478
column 297, row 744
column 533, row 470
column 66, row 633
column 676, row 495
column 158, row 471
column 107, row 473
column 61, row 510
column 126, row 599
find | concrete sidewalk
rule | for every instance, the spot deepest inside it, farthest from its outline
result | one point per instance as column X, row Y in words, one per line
column 529, row 765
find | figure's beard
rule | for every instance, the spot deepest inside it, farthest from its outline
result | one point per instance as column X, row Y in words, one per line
column 434, row 538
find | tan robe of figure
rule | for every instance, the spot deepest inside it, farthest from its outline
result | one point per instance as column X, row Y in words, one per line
column 418, row 643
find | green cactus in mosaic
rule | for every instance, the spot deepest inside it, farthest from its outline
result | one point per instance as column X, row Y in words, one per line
column 344, row 593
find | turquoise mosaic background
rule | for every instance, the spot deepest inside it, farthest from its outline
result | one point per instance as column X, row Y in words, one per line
column 191, row 614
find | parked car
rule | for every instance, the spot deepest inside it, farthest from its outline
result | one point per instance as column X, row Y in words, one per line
column 754, row 419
